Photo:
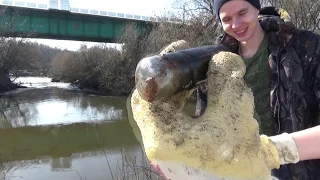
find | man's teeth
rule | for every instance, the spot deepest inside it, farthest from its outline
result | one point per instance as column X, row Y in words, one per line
column 241, row 31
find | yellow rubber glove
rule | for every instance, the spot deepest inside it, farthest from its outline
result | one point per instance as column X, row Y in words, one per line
column 224, row 143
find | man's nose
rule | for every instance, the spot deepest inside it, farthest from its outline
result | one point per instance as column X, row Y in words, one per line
column 235, row 23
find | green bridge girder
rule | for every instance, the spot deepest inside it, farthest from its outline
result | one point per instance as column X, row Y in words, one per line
column 65, row 25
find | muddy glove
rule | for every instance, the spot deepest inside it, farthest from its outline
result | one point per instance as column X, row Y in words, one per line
column 224, row 143
column 286, row 148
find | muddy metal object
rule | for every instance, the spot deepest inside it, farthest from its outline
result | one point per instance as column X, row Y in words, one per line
column 159, row 77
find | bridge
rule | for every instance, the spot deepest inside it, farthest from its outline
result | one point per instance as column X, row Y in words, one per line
column 32, row 20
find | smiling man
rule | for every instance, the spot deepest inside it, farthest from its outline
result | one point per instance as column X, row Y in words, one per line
column 240, row 20
column 282, row 70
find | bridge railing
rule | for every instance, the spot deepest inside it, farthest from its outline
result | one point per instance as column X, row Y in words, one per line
column 90, row 11
column 24, row 4
column 122, row 15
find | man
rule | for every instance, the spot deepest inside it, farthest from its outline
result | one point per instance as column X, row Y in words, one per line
column 282, row 71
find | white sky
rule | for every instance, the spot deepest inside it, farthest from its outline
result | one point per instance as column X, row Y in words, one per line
column 138, row 7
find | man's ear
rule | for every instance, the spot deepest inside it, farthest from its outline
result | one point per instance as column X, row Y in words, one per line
column 258, row 12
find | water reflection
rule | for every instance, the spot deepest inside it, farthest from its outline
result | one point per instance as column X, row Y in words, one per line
column 53, row 133
column 10, row 107
column 58, row 106
column 122, row 163
column 26, row 143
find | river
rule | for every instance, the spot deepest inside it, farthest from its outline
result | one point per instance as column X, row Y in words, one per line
column 52, row 131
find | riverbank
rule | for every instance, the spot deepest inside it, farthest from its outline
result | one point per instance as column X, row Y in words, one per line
column 6, row 84
column 13, row 83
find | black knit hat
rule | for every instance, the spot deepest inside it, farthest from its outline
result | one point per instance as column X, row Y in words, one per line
column 218, row 3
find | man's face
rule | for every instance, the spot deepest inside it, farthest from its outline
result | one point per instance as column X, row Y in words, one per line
column 239, row 19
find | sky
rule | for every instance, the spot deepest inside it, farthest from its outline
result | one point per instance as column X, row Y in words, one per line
column 138, row 7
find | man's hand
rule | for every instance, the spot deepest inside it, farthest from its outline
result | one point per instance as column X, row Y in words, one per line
column 224, row 143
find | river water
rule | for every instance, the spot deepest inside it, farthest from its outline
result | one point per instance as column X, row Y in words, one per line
column 52, row 131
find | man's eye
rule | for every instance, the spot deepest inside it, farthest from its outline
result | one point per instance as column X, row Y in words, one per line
column 225, row 19
column 242, row 13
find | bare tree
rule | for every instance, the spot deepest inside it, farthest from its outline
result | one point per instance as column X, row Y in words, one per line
column 44, row 57
column 200, row 13
column 14, row 52
column 194, row 7
column 59, row 70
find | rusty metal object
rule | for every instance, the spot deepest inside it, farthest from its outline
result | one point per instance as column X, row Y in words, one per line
column 159, row 77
